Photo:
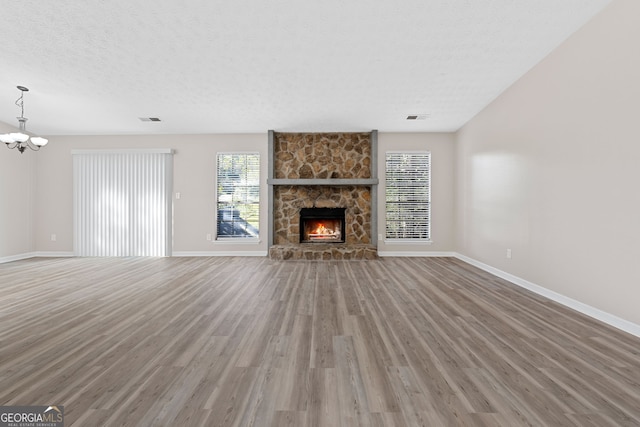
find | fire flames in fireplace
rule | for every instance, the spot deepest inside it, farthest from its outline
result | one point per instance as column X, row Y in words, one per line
column 322, row 225
column 321, row 232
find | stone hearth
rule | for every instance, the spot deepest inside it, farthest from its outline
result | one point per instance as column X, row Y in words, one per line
column 323, row 170
column 323, row 251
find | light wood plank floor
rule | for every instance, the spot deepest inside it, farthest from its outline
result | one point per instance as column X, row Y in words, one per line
column 251, row 341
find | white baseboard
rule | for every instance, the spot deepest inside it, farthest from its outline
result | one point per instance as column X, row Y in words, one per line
column 415, row 254
column 17, row 257
column 218, row 253
column 590, row 311
column 61, row 254
column 39, row 254
column 53, row 254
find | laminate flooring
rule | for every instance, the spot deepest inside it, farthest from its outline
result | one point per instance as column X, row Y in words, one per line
column 239, row 341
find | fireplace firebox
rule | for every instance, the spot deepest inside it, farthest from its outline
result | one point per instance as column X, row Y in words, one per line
column 322, row 225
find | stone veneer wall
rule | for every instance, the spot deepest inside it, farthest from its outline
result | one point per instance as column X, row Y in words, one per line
column 322, row 156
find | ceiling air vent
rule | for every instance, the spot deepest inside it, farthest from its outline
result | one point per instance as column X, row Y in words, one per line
column 149, row 119
column 418, row 117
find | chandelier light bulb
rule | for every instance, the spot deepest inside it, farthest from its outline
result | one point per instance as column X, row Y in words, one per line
column 39, row 141
column 19, row 137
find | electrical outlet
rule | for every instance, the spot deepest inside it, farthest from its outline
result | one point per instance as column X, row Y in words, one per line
column 54, row 237
column 209, row 237
column 509, row 253
column 379, row 236
column 178, row 195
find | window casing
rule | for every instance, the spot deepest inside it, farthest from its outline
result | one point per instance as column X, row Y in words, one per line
column 408, row 196
column 238, row 196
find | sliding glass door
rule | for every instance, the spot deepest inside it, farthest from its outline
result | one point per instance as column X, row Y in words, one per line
column 122, row 202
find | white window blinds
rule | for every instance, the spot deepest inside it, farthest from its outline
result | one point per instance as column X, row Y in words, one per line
column 122, row 202
column 238, row 195
column 408, row 195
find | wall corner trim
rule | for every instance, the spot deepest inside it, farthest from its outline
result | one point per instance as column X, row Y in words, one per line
column 603, row 316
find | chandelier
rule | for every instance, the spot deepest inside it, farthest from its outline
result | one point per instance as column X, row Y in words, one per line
column 21, row 140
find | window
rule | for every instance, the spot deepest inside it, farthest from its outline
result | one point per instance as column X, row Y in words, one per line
column 408, row 195
column 238, row 195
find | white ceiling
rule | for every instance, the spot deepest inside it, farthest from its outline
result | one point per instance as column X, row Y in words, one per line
column 203, row 66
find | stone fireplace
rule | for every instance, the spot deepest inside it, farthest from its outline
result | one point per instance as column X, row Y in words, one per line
column 322, row 174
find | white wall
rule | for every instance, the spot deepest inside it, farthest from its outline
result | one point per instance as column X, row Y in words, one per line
column 550, row 170
column 16, row 200
column 194, row 177
column 442, row 148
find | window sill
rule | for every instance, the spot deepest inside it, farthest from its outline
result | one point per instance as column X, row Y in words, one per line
column 237, row 240
column 407, row 242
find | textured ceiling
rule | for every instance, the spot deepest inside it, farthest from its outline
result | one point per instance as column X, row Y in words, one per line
column 202, row 66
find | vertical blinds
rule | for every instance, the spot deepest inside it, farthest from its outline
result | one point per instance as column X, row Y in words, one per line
column 122, row 202
column 408, row 195
column 238, row 195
